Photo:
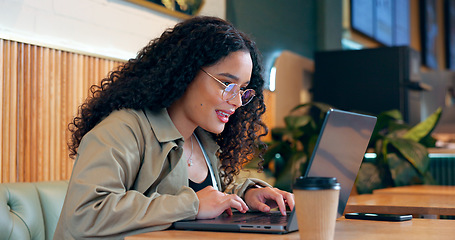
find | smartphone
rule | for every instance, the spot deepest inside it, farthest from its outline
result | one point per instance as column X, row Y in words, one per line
column 379, row 217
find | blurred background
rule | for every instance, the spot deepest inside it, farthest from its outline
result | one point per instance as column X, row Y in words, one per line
column 366, row 56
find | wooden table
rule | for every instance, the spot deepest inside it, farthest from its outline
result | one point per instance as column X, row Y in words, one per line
column 402, row 204
column 419, row 190
column 345, row 229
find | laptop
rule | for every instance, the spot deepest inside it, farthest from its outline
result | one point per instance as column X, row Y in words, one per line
column 338, row 153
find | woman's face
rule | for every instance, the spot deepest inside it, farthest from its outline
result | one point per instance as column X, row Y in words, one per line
column 202, row 103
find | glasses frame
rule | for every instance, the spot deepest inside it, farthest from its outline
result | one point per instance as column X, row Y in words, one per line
column 232, row 85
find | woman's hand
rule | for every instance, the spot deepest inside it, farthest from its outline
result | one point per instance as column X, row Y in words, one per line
column 264, row 199
column 212, row 203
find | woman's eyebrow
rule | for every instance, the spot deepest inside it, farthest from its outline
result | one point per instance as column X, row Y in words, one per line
column 233, row 77
column 230, row 76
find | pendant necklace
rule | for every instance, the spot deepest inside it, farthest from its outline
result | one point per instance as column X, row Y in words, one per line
column 190, row 161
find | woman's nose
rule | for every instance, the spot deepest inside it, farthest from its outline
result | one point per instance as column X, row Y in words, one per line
column 237, row 100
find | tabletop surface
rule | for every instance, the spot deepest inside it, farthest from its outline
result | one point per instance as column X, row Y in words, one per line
column 345, row 229
column 402, row 204
column 418, row 189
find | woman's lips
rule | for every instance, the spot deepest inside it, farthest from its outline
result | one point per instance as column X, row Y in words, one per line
column 223, row 116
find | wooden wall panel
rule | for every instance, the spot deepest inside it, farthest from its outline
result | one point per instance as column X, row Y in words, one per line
column 40, row 91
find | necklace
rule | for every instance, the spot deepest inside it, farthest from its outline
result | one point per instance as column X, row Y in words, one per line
column 190, row 161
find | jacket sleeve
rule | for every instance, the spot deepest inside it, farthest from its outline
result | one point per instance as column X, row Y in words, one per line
column 100, row 202
column 240, row 187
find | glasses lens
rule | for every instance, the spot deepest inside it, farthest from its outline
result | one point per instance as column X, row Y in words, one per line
column 247, row 96
column 231, row 91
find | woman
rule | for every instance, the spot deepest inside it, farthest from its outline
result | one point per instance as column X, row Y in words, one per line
column 162, row 138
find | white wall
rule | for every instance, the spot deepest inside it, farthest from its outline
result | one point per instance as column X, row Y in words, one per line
column 110, row 28
column 294, row 75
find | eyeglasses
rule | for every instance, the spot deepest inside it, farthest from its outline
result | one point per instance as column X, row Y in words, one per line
column 231, row 90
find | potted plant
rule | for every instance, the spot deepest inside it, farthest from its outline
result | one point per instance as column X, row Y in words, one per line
column 401, row 153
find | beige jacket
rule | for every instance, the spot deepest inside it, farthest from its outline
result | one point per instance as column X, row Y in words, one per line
column 129, row 178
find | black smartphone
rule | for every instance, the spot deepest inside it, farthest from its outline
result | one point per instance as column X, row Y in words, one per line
column 379, row 217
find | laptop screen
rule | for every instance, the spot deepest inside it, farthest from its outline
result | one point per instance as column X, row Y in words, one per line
column 340, row 149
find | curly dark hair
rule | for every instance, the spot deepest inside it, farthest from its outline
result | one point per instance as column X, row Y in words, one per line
column 160, row 74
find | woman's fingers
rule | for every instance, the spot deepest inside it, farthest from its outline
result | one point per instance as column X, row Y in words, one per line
column 234, row 201
column 213, row 203
column 282, row 198
column 263, row 199
column 289, row 198
column 228, row 211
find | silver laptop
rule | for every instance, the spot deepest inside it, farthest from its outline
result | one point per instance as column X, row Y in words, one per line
column 338, row 153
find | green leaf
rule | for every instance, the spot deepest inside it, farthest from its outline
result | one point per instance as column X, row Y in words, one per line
column 278, row 133
column 428, row 179
column 428, row 141
column 297, row 121
column 424, row 128
column 414, row 152
column 402, row 172
column 392, row 114
column 398, row 126
column 368, row 178
column 386, row 122
column 385, row 119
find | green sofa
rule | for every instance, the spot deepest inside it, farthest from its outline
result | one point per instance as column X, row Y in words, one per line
column 30, row 210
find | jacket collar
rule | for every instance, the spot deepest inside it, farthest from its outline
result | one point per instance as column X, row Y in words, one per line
column 162, row 125
column 165, row 130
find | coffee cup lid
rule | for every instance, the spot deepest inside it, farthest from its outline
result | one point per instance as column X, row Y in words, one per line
column 316, row 183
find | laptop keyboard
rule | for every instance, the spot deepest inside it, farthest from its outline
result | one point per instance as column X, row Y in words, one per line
column 265, row 218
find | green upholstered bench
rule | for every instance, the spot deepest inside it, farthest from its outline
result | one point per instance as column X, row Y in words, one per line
column 30, row 210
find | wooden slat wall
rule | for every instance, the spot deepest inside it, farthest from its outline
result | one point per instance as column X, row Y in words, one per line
column 40, row 90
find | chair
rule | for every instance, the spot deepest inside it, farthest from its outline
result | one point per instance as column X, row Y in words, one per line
column 30, row 210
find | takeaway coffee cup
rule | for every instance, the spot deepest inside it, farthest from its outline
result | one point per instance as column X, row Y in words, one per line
column 316, row 204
